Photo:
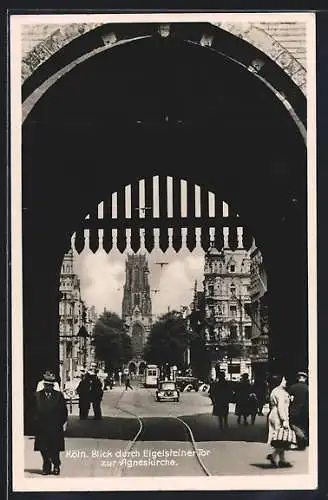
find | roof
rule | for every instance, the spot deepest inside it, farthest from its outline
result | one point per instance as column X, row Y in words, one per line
column 213, row 251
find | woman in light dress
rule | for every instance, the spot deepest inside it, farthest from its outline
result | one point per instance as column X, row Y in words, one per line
column 278, row 417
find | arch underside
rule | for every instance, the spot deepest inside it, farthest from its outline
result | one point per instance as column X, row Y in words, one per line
column 162, row 107
column 54, row 56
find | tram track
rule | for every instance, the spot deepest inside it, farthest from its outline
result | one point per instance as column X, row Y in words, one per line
column 156, row 429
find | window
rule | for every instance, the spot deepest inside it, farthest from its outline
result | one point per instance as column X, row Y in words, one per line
column 234, row 368
column 211, row 289
column 248, row 332
column 233, row 290
column 233, row 310
column 233, row 331
column 232, row 268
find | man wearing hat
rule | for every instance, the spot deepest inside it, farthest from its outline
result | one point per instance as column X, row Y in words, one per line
column 299, row 409
column 90, row 390
column 50, row 417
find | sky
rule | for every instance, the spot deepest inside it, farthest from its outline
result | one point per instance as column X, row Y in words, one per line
column 102, row 277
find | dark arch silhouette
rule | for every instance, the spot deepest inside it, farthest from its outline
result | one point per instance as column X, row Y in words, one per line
column 154, row 106
column 202, row 34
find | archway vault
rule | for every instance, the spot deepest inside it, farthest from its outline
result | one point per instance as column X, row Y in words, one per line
column 163, row 106
column 275, row 67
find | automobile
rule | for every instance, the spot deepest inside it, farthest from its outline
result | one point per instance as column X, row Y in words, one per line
column 167, row 391
column 191, row 383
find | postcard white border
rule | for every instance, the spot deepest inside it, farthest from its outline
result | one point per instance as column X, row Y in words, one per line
column 254, row 482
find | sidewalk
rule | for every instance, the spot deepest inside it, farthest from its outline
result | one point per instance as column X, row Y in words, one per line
column 87, row 457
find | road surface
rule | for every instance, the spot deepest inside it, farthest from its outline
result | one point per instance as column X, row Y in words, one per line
column 141, row 437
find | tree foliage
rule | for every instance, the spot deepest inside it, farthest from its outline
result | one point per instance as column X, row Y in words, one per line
column 167, row 341
column 112, row 343
column 200, row 359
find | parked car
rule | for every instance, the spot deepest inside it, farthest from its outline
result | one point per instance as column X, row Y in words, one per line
column 191, row 382
column 167, row 391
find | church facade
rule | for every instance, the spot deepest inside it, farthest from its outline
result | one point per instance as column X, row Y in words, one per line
column 137, row 307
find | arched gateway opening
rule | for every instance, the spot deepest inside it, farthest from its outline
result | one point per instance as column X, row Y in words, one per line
column 165, row 102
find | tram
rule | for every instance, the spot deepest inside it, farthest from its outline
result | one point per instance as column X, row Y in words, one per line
column 151, row 376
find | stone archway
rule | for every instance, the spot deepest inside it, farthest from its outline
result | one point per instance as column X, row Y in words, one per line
column 92, row 126
column 132, row 367
column 142, row 367
column 270, row 66
column 53, row 39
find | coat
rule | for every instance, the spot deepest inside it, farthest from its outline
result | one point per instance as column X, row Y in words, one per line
column 220, row 395
column 90, row 388
column 299, row 406
column 244, row 404
column 279, row 410
column 50, row 416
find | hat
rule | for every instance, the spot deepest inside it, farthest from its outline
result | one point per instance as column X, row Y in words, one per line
column 49, row 377
column 302, row 374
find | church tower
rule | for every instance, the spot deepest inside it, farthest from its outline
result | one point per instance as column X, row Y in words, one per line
column 136, row 305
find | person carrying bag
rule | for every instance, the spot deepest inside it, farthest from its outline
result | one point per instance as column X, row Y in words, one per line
column 283, row 438
column 280, row 435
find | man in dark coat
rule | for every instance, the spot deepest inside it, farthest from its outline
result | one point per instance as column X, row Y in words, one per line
column 299, row 409
column 90, row 390
column 220, row 395
column 244, row 403
column 50, row 417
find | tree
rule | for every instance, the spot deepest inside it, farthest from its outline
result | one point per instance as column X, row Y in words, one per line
column 112, row 343
column 167, row 341
column 200, row 358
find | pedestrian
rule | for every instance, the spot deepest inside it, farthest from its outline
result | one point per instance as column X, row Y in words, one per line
column 50, row 416
column 243, row 404
column 253, row 405
column 83, row 392
column 299, row 410
column 278, row 418
column 90, row 391
column 220, row 395
column 127, row 384
column 260, row 388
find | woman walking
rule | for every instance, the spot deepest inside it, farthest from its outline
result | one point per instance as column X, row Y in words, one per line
column 278, row 418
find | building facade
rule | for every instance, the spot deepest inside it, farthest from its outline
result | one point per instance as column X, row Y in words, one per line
column 227, row 327
column 258, row 290
column 76, row 324
column 137, row 307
